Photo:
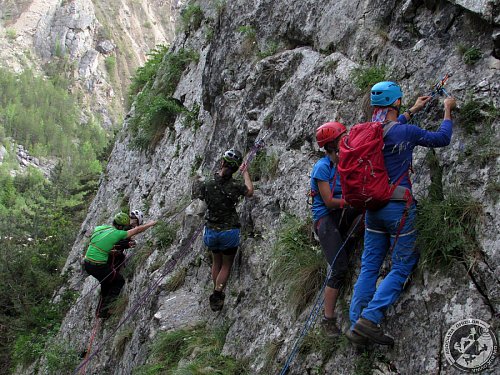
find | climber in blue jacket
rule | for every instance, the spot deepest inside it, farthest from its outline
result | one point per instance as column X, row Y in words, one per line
column 395, row 221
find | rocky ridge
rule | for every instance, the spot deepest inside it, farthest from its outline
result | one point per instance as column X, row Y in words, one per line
column 291, row 74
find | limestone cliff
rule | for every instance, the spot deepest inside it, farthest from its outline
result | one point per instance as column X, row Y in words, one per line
column 283, row 68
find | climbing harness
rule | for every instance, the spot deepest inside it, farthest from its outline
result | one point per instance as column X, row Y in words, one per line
column 318, row 304
column 169, row 266
column 127, row 258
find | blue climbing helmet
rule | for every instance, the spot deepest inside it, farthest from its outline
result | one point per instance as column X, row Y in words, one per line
column 383, row 94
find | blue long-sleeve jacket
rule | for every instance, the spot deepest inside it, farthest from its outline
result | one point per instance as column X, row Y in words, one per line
column 402, row 139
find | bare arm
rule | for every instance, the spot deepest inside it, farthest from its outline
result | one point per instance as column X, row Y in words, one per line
column 326, row 195
column 140, row 228
column 248, row 183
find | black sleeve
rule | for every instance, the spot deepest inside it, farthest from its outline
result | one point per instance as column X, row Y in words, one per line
column 198, row 190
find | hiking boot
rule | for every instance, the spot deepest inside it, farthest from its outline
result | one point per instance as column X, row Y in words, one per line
column 329, row 326
column 356, row 339
column 217, row 300
column 373, row 332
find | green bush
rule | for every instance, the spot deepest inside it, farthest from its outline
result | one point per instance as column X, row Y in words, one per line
column 194, row 350
column 164, row 235
column 191, row 17
column 264, row 166
column 447, row 229
column 470, row 55
column 155, row 108
column 191, row 118
column 10, row 34
column 298, row 262
column 366, row 77
column 248, row 32
column 271, row 48
column 110, row 63
column 146, row 73
column 61, row 357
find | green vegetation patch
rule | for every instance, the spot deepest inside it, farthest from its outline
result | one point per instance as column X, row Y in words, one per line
column 298, row 262
column 164, row 235
column 191, row 17
column 271, row 48
column 155, row 108
column 474, row 113
column 447, row 229
column 470, row 55
column 264, row 166
column 366, row 77
column 196, row 350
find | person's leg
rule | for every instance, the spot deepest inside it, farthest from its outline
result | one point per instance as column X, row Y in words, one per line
column 225, row 270
column 331, row 241
column 375, row 247
column 404, row 259
column 216, row 266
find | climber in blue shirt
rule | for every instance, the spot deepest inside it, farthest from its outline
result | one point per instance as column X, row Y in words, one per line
column 393, row 225
column 332, row 218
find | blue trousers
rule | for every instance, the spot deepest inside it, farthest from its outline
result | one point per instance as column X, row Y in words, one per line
column 382, row 226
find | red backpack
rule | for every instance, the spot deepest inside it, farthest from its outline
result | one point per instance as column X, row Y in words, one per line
column 363, row 177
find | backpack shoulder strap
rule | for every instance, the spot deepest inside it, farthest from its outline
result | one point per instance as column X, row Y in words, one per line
column 388, row 126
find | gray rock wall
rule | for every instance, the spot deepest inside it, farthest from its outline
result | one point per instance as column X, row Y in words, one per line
column 303, row 83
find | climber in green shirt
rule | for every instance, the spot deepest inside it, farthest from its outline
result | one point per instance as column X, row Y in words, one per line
column 102, row 241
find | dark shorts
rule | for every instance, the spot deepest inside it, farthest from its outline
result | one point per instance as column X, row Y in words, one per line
column 223, row 241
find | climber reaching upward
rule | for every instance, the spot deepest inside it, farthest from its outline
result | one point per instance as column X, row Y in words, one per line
column 222, row 227
column 392, row 226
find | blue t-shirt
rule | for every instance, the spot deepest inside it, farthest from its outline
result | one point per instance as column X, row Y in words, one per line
column 323, row 170
column 402, row 139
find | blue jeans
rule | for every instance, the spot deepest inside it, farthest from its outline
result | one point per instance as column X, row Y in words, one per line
column 381, row 229
column 217, row 241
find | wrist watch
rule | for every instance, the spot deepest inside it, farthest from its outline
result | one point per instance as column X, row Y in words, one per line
column 409, row 112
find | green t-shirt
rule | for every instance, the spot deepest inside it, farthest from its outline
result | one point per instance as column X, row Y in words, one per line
column 221, row 195
column 102, row 241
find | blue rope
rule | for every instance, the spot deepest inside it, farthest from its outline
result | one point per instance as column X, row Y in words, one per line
column 318, row 304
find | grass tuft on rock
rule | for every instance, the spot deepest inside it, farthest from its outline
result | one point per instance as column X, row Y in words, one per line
column 365, row 77
column 298, row 262
column 196, row 350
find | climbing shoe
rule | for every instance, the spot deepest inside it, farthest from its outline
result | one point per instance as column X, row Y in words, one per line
column 329, row 326
column 356, row 339
column 373, row 332
column 217, row 300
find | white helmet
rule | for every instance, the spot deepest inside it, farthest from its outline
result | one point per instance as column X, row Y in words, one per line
column 136, row 214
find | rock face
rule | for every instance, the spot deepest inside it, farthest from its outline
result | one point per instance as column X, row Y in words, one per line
column 80, row 38
column 288, row 76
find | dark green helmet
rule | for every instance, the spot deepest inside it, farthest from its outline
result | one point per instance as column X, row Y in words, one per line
column 121, row 218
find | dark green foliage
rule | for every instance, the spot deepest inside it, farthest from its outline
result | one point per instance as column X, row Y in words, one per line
column 39, row 217
column 474, row 114
column 164, row 235
column 364, row 364
column 298, row 263
column 317, row 342
column 270, row 49
column 155, row 108
column 264, row 166
column 191, row 17
column 146, row 73
column 248, row 31
column 62, row 358
column 470, row 55
column 366, row 77
column 447, row 229
column 191, row 118
column 194, row 350
column 153, row 114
